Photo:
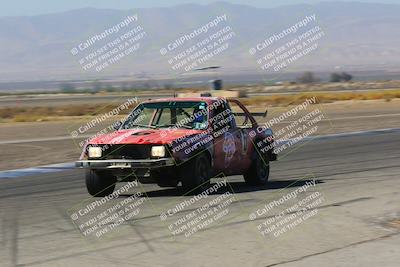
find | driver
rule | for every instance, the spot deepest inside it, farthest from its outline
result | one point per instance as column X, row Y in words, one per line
column 200, row 119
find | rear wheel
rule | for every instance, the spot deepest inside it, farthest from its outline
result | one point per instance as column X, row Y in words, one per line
column 196, row 174
column 100, row 183
column 258, row 173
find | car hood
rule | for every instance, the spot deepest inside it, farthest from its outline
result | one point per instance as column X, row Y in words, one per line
column 143, row 136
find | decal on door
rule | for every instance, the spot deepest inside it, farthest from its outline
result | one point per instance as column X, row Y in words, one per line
column 229, row 148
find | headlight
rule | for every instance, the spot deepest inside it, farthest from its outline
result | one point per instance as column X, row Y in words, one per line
column 158, row 151
column 94, row 152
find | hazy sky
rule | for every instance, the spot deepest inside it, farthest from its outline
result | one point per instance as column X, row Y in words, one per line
column 34, row 7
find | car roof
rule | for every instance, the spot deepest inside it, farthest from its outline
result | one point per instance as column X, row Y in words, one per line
column 184, row 99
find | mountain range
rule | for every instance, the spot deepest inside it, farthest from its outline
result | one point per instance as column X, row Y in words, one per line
column 357, row 36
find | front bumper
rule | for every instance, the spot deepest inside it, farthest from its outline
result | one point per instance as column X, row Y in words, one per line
column 125, row 163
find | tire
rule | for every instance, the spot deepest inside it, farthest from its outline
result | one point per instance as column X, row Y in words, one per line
column 258, row 173
column 195, row 174
column 100, row 184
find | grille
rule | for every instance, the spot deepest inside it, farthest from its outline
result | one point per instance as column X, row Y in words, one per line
column 126, row 152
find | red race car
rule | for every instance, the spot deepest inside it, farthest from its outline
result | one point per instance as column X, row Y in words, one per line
column 180, row 140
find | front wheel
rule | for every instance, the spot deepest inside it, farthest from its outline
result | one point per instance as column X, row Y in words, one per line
column 100, row 184
column 258, row 173
column 196, row 174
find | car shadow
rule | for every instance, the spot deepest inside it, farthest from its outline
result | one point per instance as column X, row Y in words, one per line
column 233, row 187
column 242, row 187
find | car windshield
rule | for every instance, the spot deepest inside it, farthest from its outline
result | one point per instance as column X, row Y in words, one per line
column 189, row 115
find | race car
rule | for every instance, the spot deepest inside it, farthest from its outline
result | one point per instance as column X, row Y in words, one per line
column 180, row 142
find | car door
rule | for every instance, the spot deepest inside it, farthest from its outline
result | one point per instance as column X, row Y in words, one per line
column 245, row 124
column 227, row 141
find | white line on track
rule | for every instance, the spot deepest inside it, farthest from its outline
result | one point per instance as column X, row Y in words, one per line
column 354, row 117
column 33, row 140
column 37, row 170
column 69, row 137
column 70, row 165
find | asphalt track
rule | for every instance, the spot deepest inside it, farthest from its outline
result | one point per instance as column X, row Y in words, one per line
column 69, row 137
column 356, row 224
